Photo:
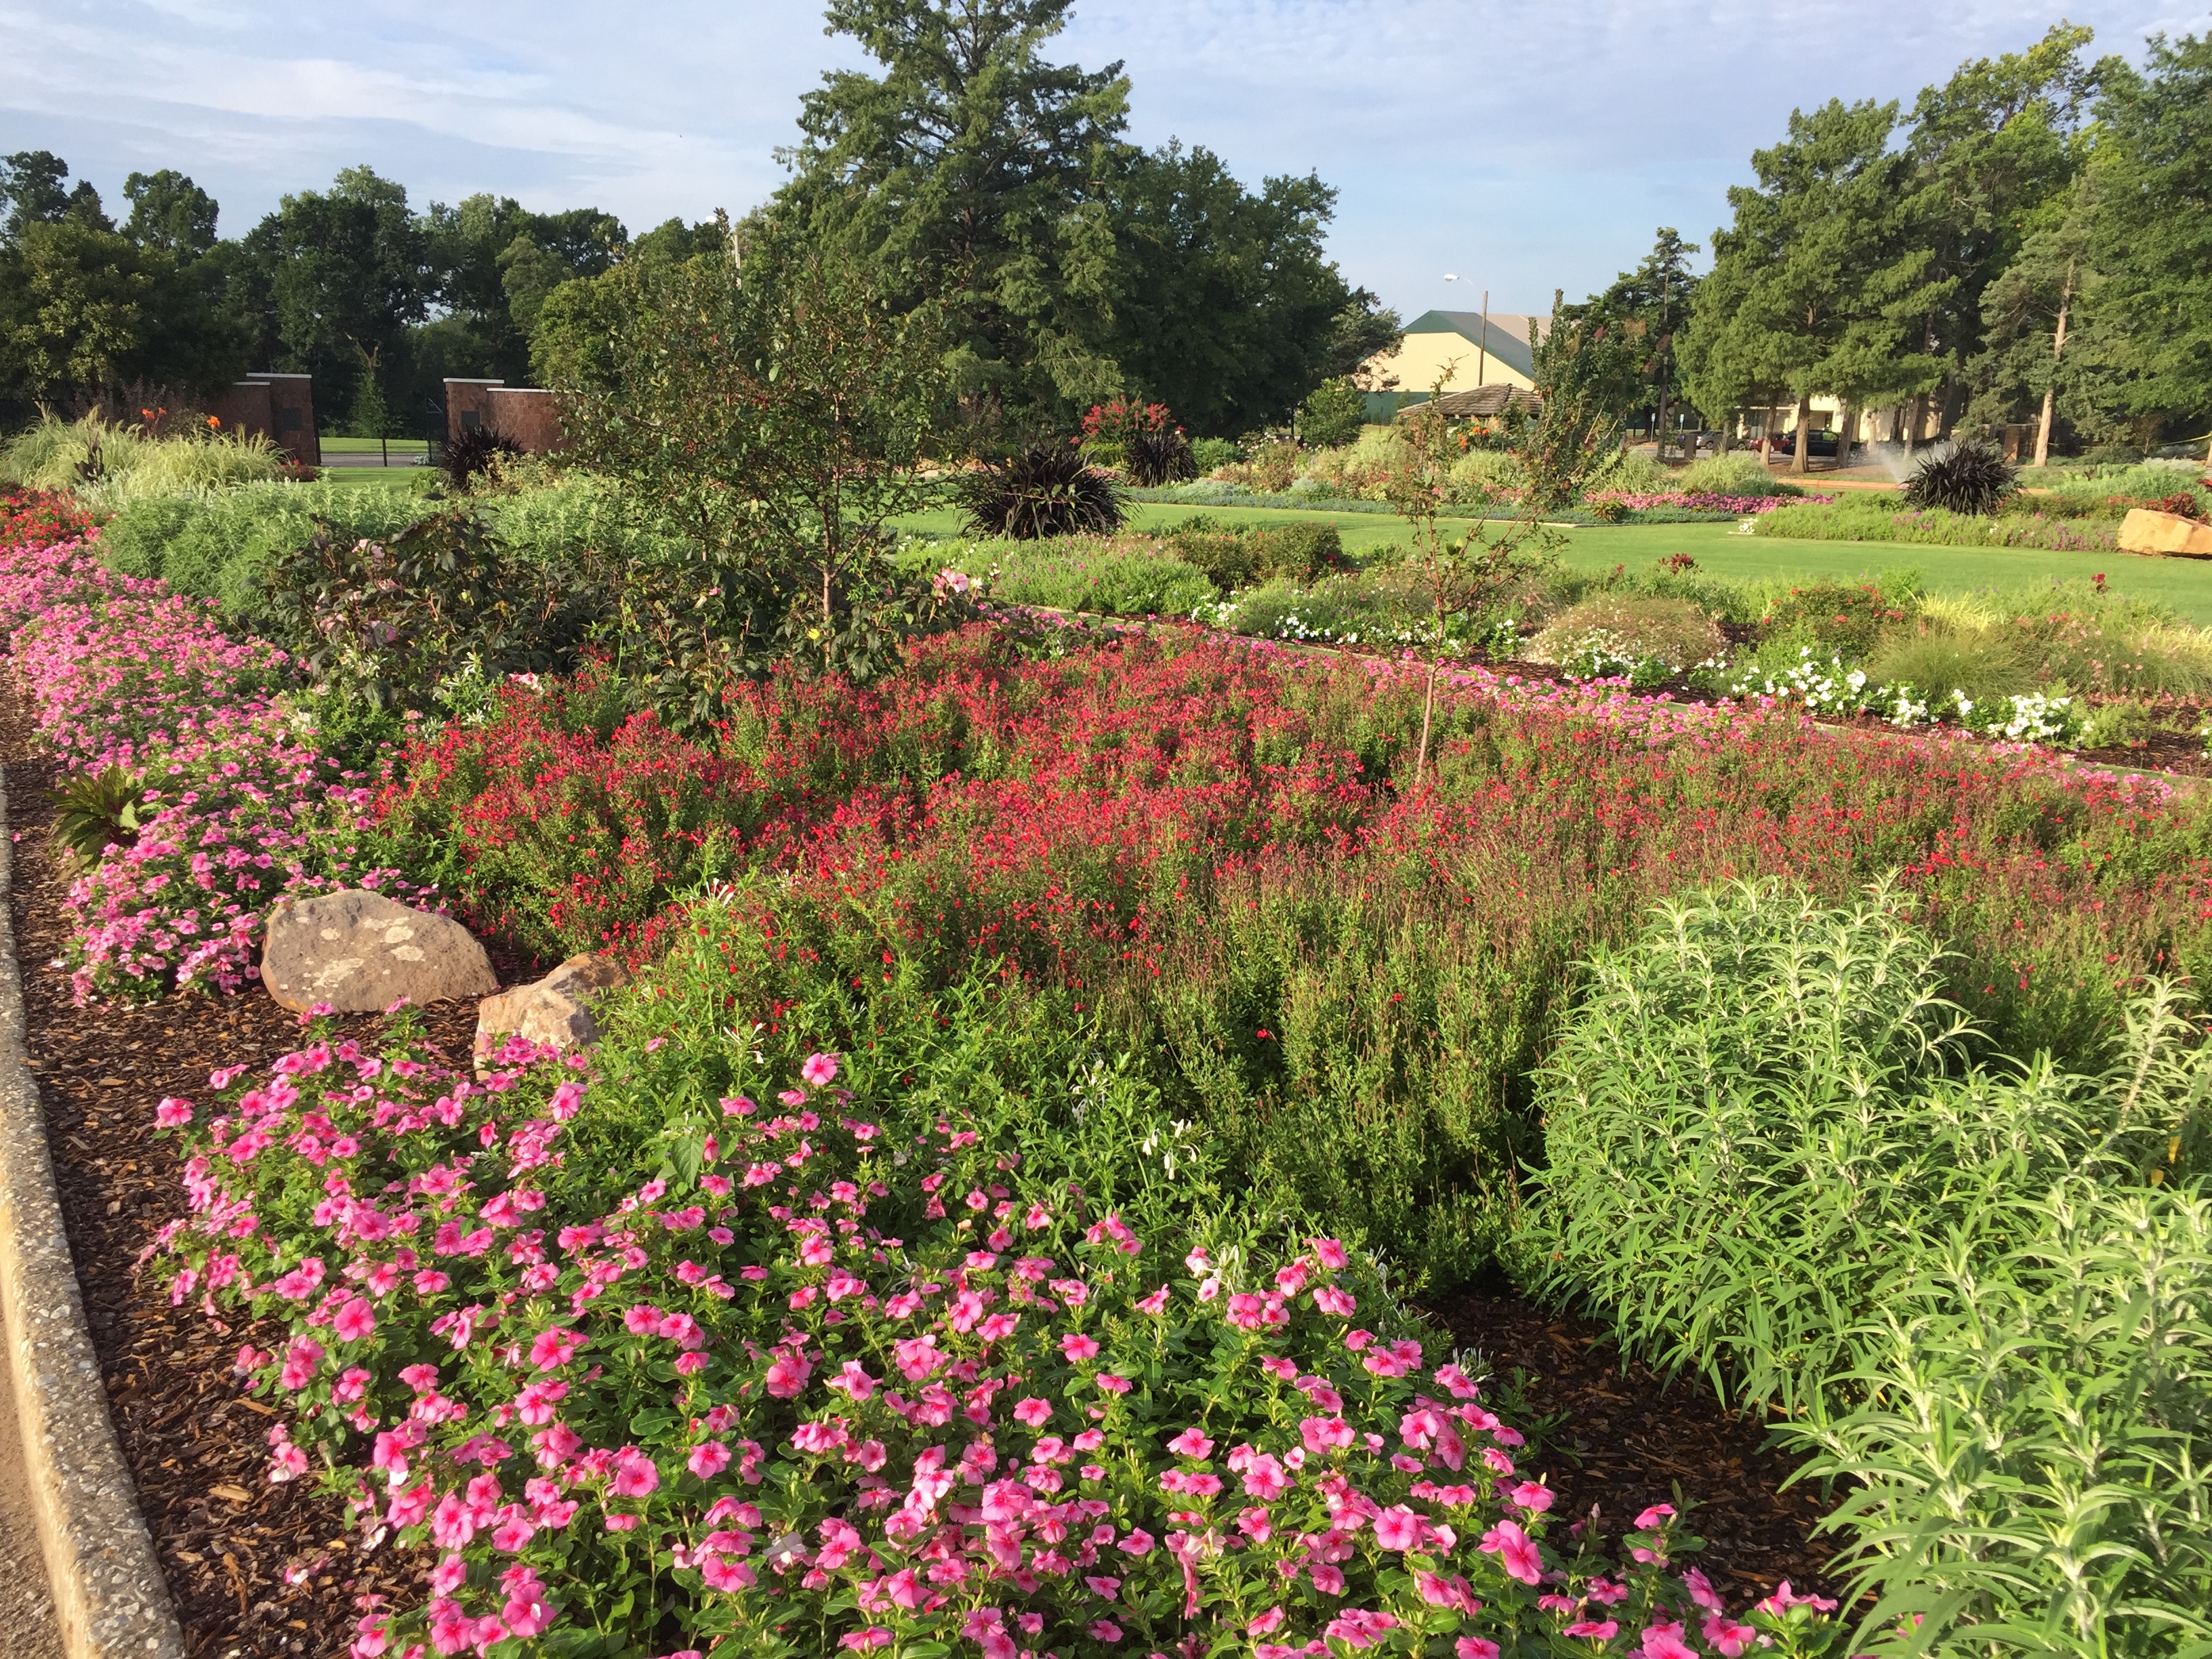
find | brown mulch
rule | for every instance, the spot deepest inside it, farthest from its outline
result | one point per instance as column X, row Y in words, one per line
column 255, row 1569
column 1628, row 1439
column 259, row 1570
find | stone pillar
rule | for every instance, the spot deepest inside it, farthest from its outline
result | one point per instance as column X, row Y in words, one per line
column 469, row 406
column 292, row 416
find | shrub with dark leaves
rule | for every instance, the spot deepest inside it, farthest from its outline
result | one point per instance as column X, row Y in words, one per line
column 1968, row 478
column 1153, row 458
column 477, row 451
column 1048, row 491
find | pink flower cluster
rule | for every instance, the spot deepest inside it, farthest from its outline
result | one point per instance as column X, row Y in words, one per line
column 1699, row 501
column 835, row 1382
column 124, row 673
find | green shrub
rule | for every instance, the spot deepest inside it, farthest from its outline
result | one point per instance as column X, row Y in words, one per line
column 1739, row 472
column 109, row 465
column 1381, row 608
column 1769, row 1158
column 1105, row 575
column 221, row 546
column 1846, row 616
column 1332, row 414
column 1938, row 661
column 1210, row 454
column 1236, row 555
column 1651, row 639
column 1871, row 516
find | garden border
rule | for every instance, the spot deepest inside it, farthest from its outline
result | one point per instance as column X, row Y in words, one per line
column 109, row 1595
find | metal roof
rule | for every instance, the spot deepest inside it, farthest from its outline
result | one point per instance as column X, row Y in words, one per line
column 1499, row 339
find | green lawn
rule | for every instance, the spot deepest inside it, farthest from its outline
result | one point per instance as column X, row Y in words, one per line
column 2183, row 584
column 408, row 447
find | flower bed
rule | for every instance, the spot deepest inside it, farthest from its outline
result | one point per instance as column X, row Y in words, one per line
column 1705, row 501
column 234, row 811
column 830, row 1384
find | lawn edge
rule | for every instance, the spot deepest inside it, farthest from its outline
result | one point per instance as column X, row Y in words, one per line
column 109, row 1595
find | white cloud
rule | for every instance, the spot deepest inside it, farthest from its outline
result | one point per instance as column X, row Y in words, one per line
column 1533, row 146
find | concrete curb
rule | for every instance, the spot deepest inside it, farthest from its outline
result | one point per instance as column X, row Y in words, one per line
column 110, row 1598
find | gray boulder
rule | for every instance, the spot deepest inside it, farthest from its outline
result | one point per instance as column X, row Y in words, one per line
column 555, row 1011
column 360, row 953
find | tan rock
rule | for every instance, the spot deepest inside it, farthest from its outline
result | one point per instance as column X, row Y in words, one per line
column 2146, row 529
column 555, row 1011
column 359, row 952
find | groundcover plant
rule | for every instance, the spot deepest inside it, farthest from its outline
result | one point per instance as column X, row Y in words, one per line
column 234, row 810
column 829, row 1380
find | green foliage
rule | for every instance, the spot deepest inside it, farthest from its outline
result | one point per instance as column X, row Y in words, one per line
column 344, row 272
column 221, row 546
column 94, row 811
column 390, row 622
column 771, row 421
column 1587, row 373
column 2152, row 242
column 1739, row 472
column 1866, row 516
column 1655, row 639
column 1236, row 555
column 1846, row 616
column 1332, row 414
column 1654, row 301
column 1104, row 576
column 1769, row 1158
column 110, row 466
column 1209, row 453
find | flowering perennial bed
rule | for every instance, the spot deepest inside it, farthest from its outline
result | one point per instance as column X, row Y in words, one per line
column 824, row 1383
column 235, row 811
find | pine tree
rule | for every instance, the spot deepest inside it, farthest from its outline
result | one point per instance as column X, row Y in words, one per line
column 972, row 171
column 1805, row 281
column 2154, row 229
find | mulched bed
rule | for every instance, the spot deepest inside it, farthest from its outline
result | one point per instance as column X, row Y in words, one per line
column 255, row 1569
column 258, row 1570
column 1627, row 1438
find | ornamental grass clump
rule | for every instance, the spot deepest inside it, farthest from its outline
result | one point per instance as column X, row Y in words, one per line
column 835, row 1376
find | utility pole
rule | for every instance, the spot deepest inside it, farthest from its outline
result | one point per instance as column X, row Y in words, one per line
column 1482, row 346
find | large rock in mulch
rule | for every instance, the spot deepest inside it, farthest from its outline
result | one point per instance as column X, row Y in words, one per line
column 555, row 1011
column 2146, row 530
column 359, row 952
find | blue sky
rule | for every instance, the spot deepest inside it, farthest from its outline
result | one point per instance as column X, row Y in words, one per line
column 1523, row 147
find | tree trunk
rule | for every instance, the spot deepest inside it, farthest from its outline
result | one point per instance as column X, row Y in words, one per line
column 1804, row 431
column 1916, row 413
column 1949, row 416
column 2057, row 347
column 1847, row 419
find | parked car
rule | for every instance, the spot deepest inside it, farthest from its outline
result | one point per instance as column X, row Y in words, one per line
column 1816, row 443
